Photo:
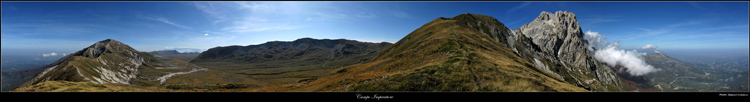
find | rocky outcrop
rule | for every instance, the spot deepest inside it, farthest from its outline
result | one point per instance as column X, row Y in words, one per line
column 557, row 41
column 107, row 61
column 554, row 43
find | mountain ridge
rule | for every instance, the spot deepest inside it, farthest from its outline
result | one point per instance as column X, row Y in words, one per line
column 106, row 61
column 467, row 52
column 302, row 43
column 282, row 62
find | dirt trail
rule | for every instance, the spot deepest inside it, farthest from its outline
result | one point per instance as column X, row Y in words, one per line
column 165, row 77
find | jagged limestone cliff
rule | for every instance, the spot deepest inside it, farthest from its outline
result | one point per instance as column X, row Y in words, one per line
column 553, row 43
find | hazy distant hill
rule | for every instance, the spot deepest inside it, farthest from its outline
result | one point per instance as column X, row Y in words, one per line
column 183, row 50
column 681, row 76
column 287, row 62
column 17, row 70
column 736, row 63
column 14, row 79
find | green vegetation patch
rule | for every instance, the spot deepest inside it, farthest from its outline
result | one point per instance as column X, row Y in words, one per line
column 209, row 87
column 450, row 46
column 432, row 78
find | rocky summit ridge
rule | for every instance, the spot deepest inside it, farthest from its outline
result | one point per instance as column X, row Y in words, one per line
column 106, row 61
column 557, row 42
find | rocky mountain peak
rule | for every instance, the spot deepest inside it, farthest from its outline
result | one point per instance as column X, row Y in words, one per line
column 106, row 61
column 107, row 40
column 475, row 19
column 562, row 21
column 305, row 39
column 104, row 46
column 559, row 15
column 554, row 31
column 486, row 25
column 557, row 41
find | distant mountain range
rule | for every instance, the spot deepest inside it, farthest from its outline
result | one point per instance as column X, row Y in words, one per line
column 300, row 49
column 677, row 75
column 467, row 52
column 277, row 62
column 14, row 79
column 183, row 50
column 168, row 52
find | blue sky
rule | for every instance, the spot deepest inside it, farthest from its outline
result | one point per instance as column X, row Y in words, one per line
column 64, row 27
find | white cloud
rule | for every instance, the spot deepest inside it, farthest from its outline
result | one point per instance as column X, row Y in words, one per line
column 213, row 12
column 649, row 46
column 400, row 14
column 597, row 20
column 595, row 40
column 258, row 28
column 45, row 28
column 205, row 34
column 50, row 54
column 514, row 9
column 213, row 39
column 164, row 20
column 366, row 15
column 729, row 27
column 684, row 24
column 12, row 8
column 265, row 16
column 270, row 16
column 373, row 40
column 613, row 56
column 105, row 17
column 667, row 29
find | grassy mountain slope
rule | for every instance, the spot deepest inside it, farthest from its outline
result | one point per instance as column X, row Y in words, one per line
column 69, row 86
column 443, row 55
column 107, row 61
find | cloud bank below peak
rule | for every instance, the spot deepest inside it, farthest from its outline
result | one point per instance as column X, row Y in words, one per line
column 613, row 56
